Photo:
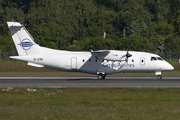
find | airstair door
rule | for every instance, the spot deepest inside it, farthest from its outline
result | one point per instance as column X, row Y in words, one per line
column 73, row 63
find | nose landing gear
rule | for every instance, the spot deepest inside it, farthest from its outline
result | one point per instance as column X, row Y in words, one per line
column 159, row 77
column 158, row 73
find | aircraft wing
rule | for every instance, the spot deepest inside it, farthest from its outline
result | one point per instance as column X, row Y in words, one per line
column 100, row 54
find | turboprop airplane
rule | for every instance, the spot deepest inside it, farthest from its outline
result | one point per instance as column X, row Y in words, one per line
column 101, row 62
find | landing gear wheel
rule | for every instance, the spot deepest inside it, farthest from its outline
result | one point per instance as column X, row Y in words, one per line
column 159, row 77
column 101, row 76
column 104, row 76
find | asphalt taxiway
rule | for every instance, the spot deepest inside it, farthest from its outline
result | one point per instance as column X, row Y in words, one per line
column 89, row 82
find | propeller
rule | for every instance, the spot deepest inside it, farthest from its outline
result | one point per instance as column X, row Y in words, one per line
column 127, row 56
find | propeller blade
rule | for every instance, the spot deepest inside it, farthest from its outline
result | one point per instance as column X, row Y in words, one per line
column 127, row 56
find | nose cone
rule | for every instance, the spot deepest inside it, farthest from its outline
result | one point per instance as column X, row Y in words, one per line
column 171, row 67
column 168, row 66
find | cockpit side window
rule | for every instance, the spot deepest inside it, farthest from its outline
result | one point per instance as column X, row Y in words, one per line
column 153, row 58
column 159, row 58
column 156, row 58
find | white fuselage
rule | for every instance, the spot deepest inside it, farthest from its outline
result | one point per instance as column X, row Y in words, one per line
column 86, row 62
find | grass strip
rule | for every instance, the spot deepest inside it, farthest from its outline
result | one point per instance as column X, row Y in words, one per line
column 90, row 103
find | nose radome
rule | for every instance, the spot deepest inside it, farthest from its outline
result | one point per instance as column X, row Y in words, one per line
column 170, row 67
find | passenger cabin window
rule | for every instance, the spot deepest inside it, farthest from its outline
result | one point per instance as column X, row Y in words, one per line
column 156, row 58
column 83, row 60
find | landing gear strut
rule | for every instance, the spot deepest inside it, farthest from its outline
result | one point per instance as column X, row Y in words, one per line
column 158, row 73
column 159, row 77
column 101, row 76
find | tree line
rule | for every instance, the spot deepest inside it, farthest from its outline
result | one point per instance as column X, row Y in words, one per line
column 139, row 25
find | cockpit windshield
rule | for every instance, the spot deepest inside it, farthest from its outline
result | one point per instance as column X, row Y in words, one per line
column 156, row 58
column 159, row 58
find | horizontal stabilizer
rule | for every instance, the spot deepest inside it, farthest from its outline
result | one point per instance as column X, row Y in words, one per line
column 14, row 24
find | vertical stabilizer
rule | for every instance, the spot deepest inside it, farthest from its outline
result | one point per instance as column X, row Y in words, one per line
column 23, row 41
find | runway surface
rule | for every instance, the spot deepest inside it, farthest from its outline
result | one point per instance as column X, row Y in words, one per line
column 89, row 82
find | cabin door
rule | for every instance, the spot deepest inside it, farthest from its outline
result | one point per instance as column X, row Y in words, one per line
column 73, row 63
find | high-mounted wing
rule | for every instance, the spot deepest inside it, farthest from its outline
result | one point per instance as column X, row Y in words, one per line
column 100, row 54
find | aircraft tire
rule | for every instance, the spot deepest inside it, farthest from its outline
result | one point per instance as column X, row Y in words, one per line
column 159, row 77
column 101, row 76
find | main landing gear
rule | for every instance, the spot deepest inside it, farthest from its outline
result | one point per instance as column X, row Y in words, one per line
column 101, row 76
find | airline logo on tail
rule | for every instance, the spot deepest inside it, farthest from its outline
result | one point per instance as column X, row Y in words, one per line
column 26, row 44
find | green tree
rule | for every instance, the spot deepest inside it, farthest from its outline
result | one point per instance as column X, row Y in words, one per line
column 140, row 43
column 158, row 8
column 164, row 29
